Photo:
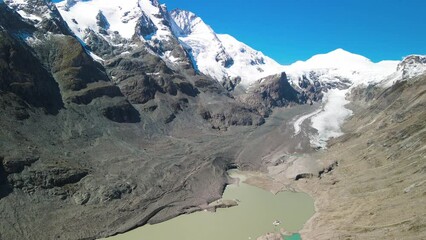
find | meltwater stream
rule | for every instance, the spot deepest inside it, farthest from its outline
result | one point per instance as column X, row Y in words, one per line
column 254, row 216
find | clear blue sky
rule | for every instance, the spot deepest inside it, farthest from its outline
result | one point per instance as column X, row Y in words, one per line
column 290, row 30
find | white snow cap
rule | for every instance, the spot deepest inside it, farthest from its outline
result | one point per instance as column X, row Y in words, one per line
column 20, row 2
column 122, row 16
column 221, row 56
column 412, row 66
column 338, row 58
column 341, row 63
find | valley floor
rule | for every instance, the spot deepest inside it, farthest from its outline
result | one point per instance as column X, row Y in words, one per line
column 378, row 190
column 369, row 183
column 373, row 182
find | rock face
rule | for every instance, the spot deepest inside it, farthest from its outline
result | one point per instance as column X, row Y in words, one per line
column 270, row 92
column 145, row 28
column 42, row 14
column 412, row 66
column 24, row 76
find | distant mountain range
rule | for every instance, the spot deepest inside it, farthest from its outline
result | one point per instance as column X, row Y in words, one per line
column 181, row 37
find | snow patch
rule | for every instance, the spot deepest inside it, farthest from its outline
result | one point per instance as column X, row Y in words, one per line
column 17, row 2
column 410, row 67
column 95, row 57
column 391, row 79
column 168, row 55
column 28, row 16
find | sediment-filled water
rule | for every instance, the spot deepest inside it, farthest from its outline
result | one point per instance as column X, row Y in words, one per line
column 253, row 217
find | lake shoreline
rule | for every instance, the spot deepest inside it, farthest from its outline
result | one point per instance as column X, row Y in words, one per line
column 282, row 213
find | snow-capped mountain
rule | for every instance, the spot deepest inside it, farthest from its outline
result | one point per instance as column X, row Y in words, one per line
column 179, row 37
column 221, row 56
column 226, row 59
column 124, row 25
column 120, row 17
column 412, row 66
column 340, row 66
column 182, row 39
column 338, row 71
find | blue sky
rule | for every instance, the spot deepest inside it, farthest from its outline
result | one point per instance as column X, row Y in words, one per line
column 290, row 30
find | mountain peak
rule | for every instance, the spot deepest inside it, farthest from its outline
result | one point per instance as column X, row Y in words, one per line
column 338, row 58
column 221, row 56
column 412, row 65
column 189, row 22
column 340, row 51
column 339, row 64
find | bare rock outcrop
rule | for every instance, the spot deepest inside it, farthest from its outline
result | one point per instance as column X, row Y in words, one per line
column 270, row 92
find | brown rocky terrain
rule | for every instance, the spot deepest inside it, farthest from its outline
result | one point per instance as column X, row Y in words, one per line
column 370, row 182
column 378, row 190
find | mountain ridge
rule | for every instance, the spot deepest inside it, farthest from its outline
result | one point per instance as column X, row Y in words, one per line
column 221, row 56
